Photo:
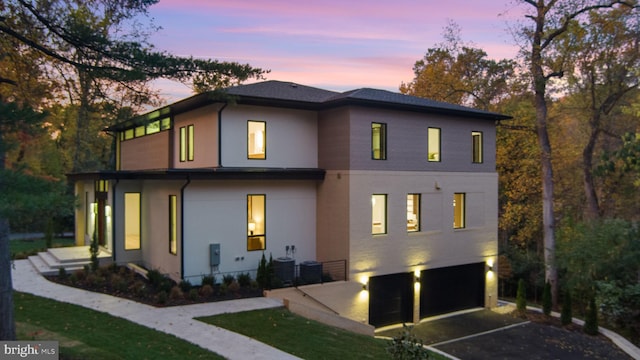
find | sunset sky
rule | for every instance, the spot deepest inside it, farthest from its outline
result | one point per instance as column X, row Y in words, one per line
column 336, row 45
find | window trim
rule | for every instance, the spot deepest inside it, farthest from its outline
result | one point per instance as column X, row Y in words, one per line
column 382, row 141
column 173, row 225
column 439, row 159
column 479, row 157
column 249, row 232
column 257, row 156
column 415, row 207
column 384, row 221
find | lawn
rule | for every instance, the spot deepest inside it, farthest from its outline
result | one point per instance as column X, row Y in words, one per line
column 21, row 249
column 89, row 334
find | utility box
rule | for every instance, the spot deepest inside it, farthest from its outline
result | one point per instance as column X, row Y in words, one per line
column 214, row 254
column 284, row 269
column 311, row 272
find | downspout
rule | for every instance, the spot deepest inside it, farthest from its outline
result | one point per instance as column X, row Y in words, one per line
column 182, row 189
column 220, row 134
column 113, row 221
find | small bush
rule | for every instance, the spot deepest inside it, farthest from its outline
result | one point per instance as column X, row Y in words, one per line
column 407, row 346
column 234, row 287
column 521, row 297
column 228, row 279
column 119, row 283
column 244, row 280
column 139, row 288
column 566, row 314
column 206, row 291
column 185, row 285
column 161, row 298
column 208, row 280
column 62, row 273
column 193, row 294
column 223, row 289
column 73, row 278
column 176, row 293
column 546, row 299
column 591, row 318
column 155, row 277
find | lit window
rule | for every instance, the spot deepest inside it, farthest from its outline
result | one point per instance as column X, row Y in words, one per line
column 378, row 141
column 257, row 140
column 186, row 143
column 458, row 210
column 131, row 221
column 165, row 124
column 476, row 138
column 139, row 131
column 413, row 212
column 256, row 210
column 433, row 143
column 173, row 224
column 128, row 134
column 379, row 214
column 153, row 127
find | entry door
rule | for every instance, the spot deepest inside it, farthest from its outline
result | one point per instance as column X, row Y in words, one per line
column 391, row 299
column 451, row 288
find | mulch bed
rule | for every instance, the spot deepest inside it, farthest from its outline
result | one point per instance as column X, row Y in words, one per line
column 122, row 282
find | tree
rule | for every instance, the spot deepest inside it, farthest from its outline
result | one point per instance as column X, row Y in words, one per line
column 566, row 315
column 549, row 21
column 521, row 297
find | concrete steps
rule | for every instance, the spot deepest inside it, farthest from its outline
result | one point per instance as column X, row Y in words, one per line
column 69, row 258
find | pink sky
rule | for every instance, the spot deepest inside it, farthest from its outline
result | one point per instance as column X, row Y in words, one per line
column 335, row 45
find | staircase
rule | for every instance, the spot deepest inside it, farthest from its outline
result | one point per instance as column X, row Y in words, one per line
column 70, row 258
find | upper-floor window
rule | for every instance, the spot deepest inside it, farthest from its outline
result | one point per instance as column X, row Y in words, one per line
column 143, row 130
column 433, row 144
column 186, row 143
column 256, row 139
column 256, row 217
column 458, row 210
column 378, row 214
column 173, row 224
column 413, row 212
column 378, row 141
column 476, row 139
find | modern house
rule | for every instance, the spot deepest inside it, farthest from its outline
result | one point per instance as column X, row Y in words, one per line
column 402, row 189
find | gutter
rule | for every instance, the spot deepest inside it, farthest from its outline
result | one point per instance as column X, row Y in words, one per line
column 220, row 134
column 182, row 189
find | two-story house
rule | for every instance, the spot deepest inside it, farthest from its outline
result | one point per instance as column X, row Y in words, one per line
column 402, row 188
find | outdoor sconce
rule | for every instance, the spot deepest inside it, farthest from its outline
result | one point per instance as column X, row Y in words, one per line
column 489, row 265
column 417, row 276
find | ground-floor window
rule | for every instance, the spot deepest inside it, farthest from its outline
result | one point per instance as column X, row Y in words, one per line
column 132, row 221
column 379, row 214
column 413, row 212
column 458, row 210
column 256, row 218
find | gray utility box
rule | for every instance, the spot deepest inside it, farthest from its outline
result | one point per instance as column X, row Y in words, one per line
column 310, row 272
column 214, row 254
column 284, row 269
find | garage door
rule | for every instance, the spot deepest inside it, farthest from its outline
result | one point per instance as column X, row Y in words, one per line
column 390, row 299
column 451, row 288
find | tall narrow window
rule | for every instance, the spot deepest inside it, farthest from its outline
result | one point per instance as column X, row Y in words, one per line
column 433, row 144
column 378, row 141
column 379, row 214
column 476, row 138
column 413, row 212
column 173, row 224
column 458, row 210
column 256, row 211
column 132, row 221
column 257, row 140
column 186, row 143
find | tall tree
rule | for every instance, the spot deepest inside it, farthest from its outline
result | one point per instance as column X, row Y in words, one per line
column 549, row 20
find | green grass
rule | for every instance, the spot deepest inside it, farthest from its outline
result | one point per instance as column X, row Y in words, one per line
column 89, row 334
column 21, row 249
column 299, row 336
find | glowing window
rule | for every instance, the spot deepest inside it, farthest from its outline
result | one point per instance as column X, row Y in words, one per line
column 153, row 127
column 378, row 141
column 458, row 210
column 379, row 214
column 256, row 217
column 413, row 212
column 132, row 221
column 256, row 140
column 433, row 143
column 186, row 143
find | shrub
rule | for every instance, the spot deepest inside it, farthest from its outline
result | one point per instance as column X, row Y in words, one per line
column 407, row 346
column 234, row 287
column 176, row 293
column 139, row 288
column 591, row 318
column 208, row 280
column 223, row 289
column 566, row 315
column 206, row 291
column 185, row 285
column 521, row 297
column 161, row 298
column 228, row 279
column 261, row 275
column 62, row 273
column 546, row 299
column 155, row 277
column 119, row 283
column 193, row 294
column 244, row 280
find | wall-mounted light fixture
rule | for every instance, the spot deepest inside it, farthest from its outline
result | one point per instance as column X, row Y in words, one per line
column 417, row 276
column 490, row 265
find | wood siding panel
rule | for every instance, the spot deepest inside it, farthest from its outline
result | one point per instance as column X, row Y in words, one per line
column 145, row 153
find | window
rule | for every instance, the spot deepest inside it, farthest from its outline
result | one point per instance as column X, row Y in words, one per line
column 476, row 138
column 257, row 140
column 173, row 224
column 458, row 210
column 186, row 143
column 413, row 212
column 378, row 141
column 256, row 211
column 379, row 214
column 153, row 127
column 433, row 143
column 131, row 221
column 139, row 131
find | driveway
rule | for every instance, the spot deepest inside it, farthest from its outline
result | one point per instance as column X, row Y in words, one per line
column 485, row 334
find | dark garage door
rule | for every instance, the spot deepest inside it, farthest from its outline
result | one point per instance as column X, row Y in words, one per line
column 390, row 299
column 451, row 288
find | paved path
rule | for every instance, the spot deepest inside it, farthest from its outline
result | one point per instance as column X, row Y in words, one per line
column 177, row 320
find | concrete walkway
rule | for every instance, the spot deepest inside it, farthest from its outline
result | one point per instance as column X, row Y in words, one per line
column 177, row 320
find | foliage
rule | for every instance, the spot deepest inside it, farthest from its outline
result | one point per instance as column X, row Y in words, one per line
column 406, row 346
column 94, row 250
column 261, row 275
column 228, row 279
column 546, row 299
column 521, row 297
column 208, row 280
column 566, row 314
column 591, row 318
column 185, row 285
column 244, row 279
column 620, row 304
